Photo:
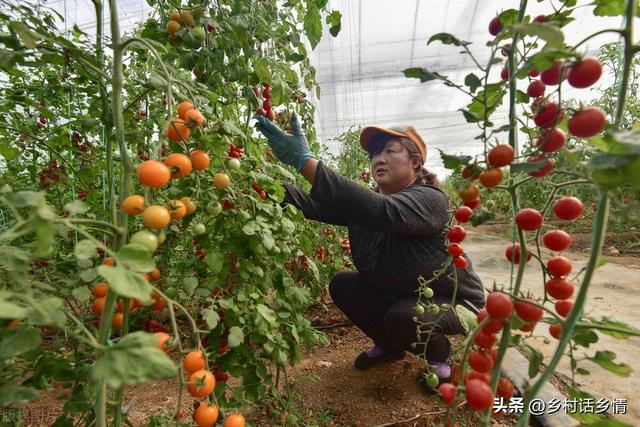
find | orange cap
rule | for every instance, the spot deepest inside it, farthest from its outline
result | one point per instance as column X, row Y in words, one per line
column 371, row 132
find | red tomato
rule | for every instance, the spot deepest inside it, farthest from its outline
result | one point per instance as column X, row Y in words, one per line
column 555, row 330
column 559, row 266
column 456, row 234
column 551, row 140
column 559, row 288
column 540, row 18
column 469, row 172
column 556, row 240
column 473, row 203
column 513, row 253
column 527, row 311
column 585, row 73
column 484, row 340
column 534, row 73
column 491, row 177
column 460, row 262
column 455, row 250
column 463, row 214
column 499, row 305
column 505, row 388
column 479, row 395
column 587, row 122
column 544, row 169
column 528, row 327
column 504, row 74
column 448, row 392
column 552, row 76
column 500, row 155
column 563, row 307
column 495, row 26
column 568, row 208
column 482, row 376
column 536, row 88
column 480, row 361
column 492, row 326
column 261, row 111
column 546, row 115
column 529, row 219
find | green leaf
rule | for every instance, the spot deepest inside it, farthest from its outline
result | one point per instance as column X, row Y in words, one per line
column 584, row 337
column 135, row 257
column 267, row 314
column 24, row 199
column 212, row 318
column 535, row 358
column 45, row 232
column 447, row 38
column 189, row 285
column 76, row 207
column 126, row 283
column 298, row 297
column 313, row 26
column 85, row 249
column 280, row 91
column 609, row 7
column 472, row 81
column 236, row 337
column 527, row 167
column 14, row 393
column 28, row 37
column 469, row 116
column 614, row 328
column 14, row 259
column 548, row 32
column 89, row 275
column 423, row 74
column 134, row 359
column 334, row 20
column 466, row 317
column 215, row 262
column 19, row 341
column 47, row 311
column 157, row 81
column 11, row 310
column 605, row 359
column 263, row 70
column 6, row 151
column 454, row 162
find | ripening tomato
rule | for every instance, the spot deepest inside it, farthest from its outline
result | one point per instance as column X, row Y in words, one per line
column 463, row 214
column 544, row 169
column 559, row 266
column 234, row 420
column 200, row 160
column 190, row 204
column 162, row 338
column 472, row 203
column 563, row 307
column 118, row 320
column 559, row 288
column 206, row 415
column 133, row 205
column 551, row 76
column 536, row 88
column 156, row 217
column 448, row 392
column 456, row 234
column 183, row 107
column 551, row 140
column 480, row 361
column 455, row 250
column 499, row 305
column 527, row 311
column 173, row 27
column 177, row 209
column 155, row 274
column 568, row 208
column 194, row 361
column 98, row 306
column 495, row 26
column 555, row 330
column 470, row 193
column 100, row 290
column 529, row 219
column 221, row 181
column 146, row 239
column 556, row 240
column 153, row 173
column 585, row 72
column 201, row 383
column 491, row 177
column 546, row 116
column 194, row 118
column 479, row 394
column 179, row 164
column 500, row 155
column 512, row 253
column 460, row 262
column 177, row 130
column 587, row 122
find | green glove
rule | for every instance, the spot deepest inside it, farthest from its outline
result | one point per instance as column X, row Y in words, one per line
column 293, row 149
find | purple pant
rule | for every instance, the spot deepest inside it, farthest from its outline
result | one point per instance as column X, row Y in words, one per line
column 388, row 320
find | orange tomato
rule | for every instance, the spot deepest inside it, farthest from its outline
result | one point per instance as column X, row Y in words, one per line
column 183, row 108
column 156, row 217
column 221, row 181
column 175, row 16
column 98, row 306
column 470, row 193
column 177, row 209
column 163, row 337
column 234, row 420
column 179, row 164
column 100, row 290
column 191, row 206
column 153, row 173
column 158, row 302
column 194, row 118
column 107, row 261
column 491, row 177
column 133, row 205
column 132, row 305
column 199, row 160
column 118, row 320
column 173, row 27
column 201, row 383
column 177, row 130
column 206, row 415
column 154, row 275
column 194, row 361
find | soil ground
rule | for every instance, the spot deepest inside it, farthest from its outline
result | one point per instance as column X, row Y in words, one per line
column 331, row 392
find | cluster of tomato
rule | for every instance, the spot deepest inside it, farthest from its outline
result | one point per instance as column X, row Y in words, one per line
column 266, row 109
column 188, row 118
column 234, row 151
column 52, row 174
column 187, row 19
column 346, row 245
column 283, row 120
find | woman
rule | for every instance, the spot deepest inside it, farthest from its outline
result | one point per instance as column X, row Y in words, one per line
column 396, row 234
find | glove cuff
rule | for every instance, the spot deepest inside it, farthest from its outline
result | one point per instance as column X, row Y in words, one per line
column 302, row 160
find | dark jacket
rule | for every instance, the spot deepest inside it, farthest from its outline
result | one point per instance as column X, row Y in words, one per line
column 394, row 238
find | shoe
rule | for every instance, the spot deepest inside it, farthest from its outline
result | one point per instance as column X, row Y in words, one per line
column 444, row 376
column 363, row 361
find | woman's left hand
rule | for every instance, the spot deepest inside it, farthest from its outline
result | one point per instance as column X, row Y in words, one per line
column 293, row 149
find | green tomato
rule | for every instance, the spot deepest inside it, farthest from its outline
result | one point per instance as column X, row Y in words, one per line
column 427, row 292
column 171, row 292
column 432, row 380
column 197, row 12
column 433, row 309
column 145, row 238
column 420, row 309
column 214, row 208
column 199, row 33
column 199, row 229
column 234, row 164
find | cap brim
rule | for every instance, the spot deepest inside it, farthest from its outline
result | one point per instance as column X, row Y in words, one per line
column 370, row 132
